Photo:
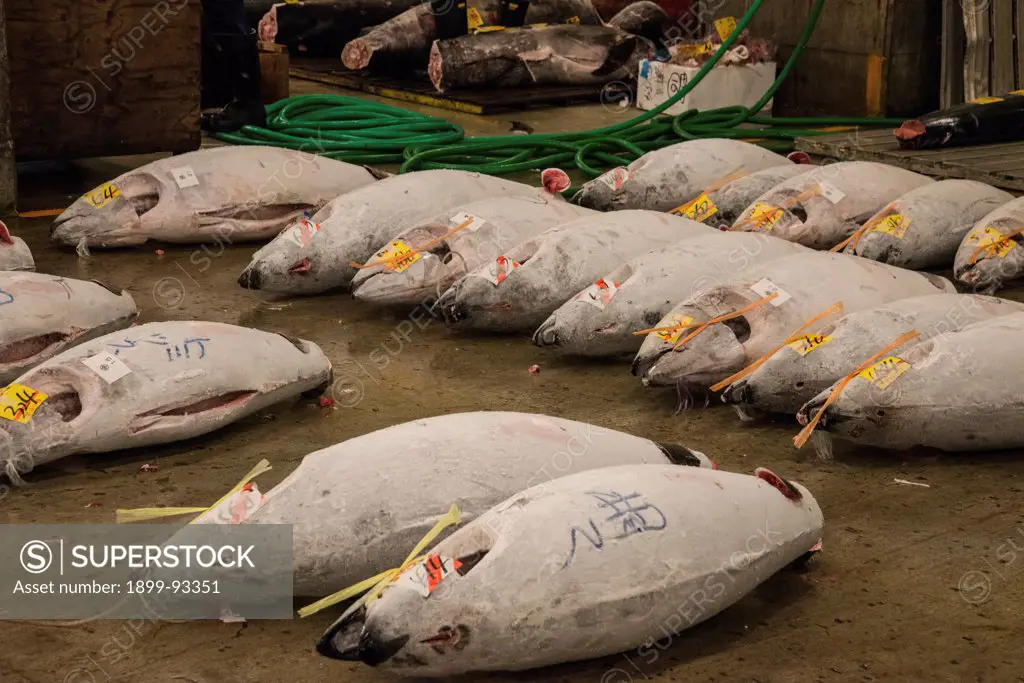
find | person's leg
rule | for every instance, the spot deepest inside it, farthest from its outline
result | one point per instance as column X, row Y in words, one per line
column 234, row 53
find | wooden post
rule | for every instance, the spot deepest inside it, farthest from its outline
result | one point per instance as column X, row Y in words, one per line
column 8, row 170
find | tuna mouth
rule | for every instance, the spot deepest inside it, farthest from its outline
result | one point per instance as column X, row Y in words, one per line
column 173, row 415
column 250, row 278
column 812, row 408
column 447, row 306
column 374, row 650
column 27, row 349
column 738, row 393
column 643, row 364
column 341, row 641
column 546, row 334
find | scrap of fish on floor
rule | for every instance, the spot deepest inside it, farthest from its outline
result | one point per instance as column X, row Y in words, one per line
column 322, row 28
column 322, row 253
column 826, row 205
column 818, row 358
column 600, row 321
column 925, row 227
column 14, row 253
column 219, row 195
column 344, row 530
column 721, row 330
column 406, row 39
column 41, row 315
column 723, row 203
column 672, row 176
column 990, row 255
column 422, row 262
column 953, row 392
column 568, row 54
column 592, row 564
column 151, row 384
column 518, row 290
column 983, row 121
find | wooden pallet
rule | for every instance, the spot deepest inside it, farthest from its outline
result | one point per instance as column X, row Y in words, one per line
column 421, row 91
column 999, row 165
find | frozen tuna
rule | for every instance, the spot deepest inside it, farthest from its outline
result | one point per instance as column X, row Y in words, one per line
column 643, row 18
column 923, row 228
column 823, row 207
column 729, row 326
column 567, row 54
column 601, row 319
column 670, row 177
column 322, row 253
column 14, row 253
column 522, row 287
column 321, row 29
column 425, row 260
column 41, row 315
column 219, row 195
column 592, row 564
column 345, row 531
column 151, row 384
column 990, row 254
column 722, row 205
column 953, row 392
column 819, row 358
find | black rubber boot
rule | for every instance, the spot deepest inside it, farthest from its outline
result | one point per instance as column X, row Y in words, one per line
column 512, row 13
column 241, row 57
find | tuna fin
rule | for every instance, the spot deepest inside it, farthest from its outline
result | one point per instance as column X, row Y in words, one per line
column 5, row 234
column 618, row 56
column 110, row 288
column 784, row 487
column 681, row 455
column 377, row 173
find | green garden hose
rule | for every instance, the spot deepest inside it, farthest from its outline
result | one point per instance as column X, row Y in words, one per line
column 358, row 131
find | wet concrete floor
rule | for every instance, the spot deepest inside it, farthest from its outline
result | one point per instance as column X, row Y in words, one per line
column 913, row 584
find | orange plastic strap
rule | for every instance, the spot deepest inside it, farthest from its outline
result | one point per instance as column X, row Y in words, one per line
column 800, row 439
column 401, row 257
column 836, row 308
column 992, row 246
column 792, row 201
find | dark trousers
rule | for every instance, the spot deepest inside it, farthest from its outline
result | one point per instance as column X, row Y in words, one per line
column 225, row 17
column 224, row 24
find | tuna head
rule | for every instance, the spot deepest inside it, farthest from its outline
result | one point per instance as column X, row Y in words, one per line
column 295, row 261
column 990, row 255
column 407, row 277
column 110, row 215
column 802, row 216
column 611, row 191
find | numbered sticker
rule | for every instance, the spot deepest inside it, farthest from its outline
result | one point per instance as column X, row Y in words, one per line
column 102, row 195
column 894, row 224
column 109, row 367
column 424, row 577
column 808, row 342
column 397, row 256
column 677, row 324
column 500, row 269
column 600, row 293
column 303, row 232
column 764, row 217
column 615, row 178
column 725, row 27
column 18, row 403
column 184, row 176
column 238, row 507
column 990, row 236
column 886, row 371
column 474, row 222
column 572, row 20
column 831, row 192
column 473, row 18
column 700, row 209
column 766, row 287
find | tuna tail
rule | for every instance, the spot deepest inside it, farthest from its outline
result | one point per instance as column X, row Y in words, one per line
column 378, row 173
column 619, row 55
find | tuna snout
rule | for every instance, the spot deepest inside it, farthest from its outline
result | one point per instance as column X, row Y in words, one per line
column 250, row 278
column 810, row 409
column 448, row 307
column 641, row 364
column 737, row 393
column 546, row 334
column 375, row 650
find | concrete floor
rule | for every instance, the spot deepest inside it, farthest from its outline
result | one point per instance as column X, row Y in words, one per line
column 880, row 603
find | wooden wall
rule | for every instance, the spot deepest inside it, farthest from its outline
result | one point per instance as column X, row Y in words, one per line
column 866, row 57
column 103, row 77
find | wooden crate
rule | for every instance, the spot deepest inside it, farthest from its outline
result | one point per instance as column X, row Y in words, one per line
column 103, row 77
column 866, row 57
column 982, row 49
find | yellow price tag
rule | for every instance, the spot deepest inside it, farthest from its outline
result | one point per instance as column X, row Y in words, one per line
column 473, row 18
column 18, row 402
column 672, row 336
column 396, row 256
column 886, row 371
column 995, row 237
column 765, row 217
column 102, row 195
column 987, row 100
column 700, row 209
column 572, row 20
column 488, row 29
column 725, row 27
column 895, row 224
column 808, row 342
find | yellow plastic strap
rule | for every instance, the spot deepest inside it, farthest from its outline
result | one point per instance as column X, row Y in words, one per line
column 140, row 514
column 376, row 583
column 418, row 250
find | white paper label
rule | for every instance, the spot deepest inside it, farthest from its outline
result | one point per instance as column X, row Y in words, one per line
column 615, row 178
column 766, row 287
column 499, row 270
column 831, row 192
column 425, row 576
column 600, row 293
column 109, row 367
column 184, row 176
column 238, row 507
column 475, row 222
column 303, row 232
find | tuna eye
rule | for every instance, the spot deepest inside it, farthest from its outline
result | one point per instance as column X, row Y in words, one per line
column 799, row 385
column 880, row 413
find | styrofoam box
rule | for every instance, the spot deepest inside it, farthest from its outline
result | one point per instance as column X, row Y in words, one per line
column 724, row 86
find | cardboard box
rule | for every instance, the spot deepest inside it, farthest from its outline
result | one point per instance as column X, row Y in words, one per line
column 724, row 86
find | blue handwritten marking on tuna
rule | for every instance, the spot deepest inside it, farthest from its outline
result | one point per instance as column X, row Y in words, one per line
column 631, row 511
column 6, row 298
column 158, row 339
